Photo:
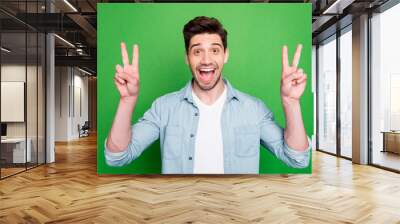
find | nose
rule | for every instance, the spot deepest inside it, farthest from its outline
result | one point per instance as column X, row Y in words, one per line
column 206, row 59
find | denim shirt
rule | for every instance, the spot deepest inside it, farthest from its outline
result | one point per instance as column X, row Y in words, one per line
column 245, row 123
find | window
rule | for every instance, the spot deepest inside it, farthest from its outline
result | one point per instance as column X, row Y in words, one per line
column 385, row 89
column 346, row 93
column 327, row 96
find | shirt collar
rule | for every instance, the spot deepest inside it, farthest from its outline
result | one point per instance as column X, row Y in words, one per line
column 186, row 92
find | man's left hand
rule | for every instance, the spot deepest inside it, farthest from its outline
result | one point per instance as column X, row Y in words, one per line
column 294, row 79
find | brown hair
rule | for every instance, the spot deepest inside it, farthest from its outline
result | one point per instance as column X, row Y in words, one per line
column 203, row 24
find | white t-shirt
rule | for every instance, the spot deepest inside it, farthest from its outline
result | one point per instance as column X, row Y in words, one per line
column 209, row 151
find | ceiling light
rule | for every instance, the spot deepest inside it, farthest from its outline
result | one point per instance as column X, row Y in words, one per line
column 338, row 6
column 70, row 5
column 84, row 71
column 5, row 50
column 64, row 40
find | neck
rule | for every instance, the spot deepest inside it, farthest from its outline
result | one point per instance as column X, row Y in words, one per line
column 209, row 96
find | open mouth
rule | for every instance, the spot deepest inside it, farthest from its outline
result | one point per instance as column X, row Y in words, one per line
column 206, row 74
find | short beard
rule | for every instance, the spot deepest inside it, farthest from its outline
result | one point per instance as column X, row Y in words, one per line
column 208, row 88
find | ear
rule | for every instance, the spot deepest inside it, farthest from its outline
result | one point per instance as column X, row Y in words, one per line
column 226, row 55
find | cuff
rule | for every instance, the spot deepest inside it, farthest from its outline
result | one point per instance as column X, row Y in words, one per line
column 301, row 157
column 113, row 156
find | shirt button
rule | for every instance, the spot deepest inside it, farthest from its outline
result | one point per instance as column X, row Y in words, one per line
column 190, row 158
column 191, row 135
column 196, row 114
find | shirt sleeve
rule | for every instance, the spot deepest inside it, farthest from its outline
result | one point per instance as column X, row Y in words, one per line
column 273, row 139
column 144, row 133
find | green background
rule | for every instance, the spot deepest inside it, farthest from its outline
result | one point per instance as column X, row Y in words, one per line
column 256, row 34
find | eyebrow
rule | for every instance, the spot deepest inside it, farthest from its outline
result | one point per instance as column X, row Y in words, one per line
column 218, row 44
column 195, row 45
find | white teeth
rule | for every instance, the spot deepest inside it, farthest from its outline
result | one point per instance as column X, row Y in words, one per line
column 206, row 69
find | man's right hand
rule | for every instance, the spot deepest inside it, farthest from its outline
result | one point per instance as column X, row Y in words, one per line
column 127, row 77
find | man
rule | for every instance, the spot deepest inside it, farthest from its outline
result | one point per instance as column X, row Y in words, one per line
column 208, row 126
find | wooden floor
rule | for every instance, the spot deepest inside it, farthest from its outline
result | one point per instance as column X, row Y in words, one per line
column 70, row 191
column 5, row 172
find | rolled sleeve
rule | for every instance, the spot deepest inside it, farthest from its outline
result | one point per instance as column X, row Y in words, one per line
column 272, row 138
column 299, row 159
column 144, row 133
column 115, row 158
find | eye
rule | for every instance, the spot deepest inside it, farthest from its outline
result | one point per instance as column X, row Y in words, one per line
column 196, row 52
column 215, row 50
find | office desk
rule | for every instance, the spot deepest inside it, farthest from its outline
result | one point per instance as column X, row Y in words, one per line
column 391, row 141
column 18, row 149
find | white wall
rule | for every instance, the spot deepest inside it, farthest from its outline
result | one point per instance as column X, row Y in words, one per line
column 70, row 83
column 16, row 72
column 61, row 103
column 80, row 105
column 12, row 73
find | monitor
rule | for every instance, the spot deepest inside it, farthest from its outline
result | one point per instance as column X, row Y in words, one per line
column 3, row 129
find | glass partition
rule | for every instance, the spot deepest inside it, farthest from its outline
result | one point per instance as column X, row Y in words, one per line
column 22, row 77
column 13, row 103
column 327, row 96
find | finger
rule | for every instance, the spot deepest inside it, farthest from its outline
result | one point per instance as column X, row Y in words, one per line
column 119, row 69
column 302, row 79
column 300, row 70
column 135, row 57
column 289, row 70
column 292, row 77
column 118, row 84
column 294, row 73
column 285, row 62
column 124, row 53
column 119, row 79
column 125, row 77
column 297, row 55
column 121, row 88
column 133, row 82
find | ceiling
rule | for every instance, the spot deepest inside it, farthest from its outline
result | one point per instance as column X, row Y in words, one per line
column 75, row 21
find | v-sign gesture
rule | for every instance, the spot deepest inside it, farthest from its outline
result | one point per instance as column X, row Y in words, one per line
column 293, row 80
column 293, row 84
column 127, row 77
column 126, row 80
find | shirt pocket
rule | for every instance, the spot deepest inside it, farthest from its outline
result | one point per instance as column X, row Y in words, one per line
column 247, row 140
column 172, row 142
